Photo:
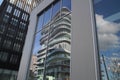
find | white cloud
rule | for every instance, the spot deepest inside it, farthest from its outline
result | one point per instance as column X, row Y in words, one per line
column 107, row 33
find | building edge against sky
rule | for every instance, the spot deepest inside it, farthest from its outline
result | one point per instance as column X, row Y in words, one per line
column 84, row 60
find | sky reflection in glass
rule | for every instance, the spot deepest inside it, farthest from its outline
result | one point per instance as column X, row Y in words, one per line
column 56, row 8
column 67, row 4
column 37, row 45
column 107, row 13
column 47, row 16
column 1, row 1
column 40, row 22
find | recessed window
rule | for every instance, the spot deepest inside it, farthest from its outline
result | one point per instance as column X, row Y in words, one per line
column 10, row 32
column 16, row 47
column 25, row 16
column 13, row 59
column 9, row 9
column 22, row 25
column 14, row 22
column 5, row 18
column 27, row 8
column 20, row 36
column 16, row 13
column 19, row 4
column 7, row 44
column 2, row 28
column 3, row 56
column 12, row 1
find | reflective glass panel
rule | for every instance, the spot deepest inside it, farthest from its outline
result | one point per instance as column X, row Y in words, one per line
column 66, row 4
column 47, row 16
column 56, row 8
column 107, row 14
column 40, row 22
column 52, row 44
column 57, row 65
column 37, row 45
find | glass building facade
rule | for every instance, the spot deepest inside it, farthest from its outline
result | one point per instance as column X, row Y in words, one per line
column 107, row 18
column 52, row 43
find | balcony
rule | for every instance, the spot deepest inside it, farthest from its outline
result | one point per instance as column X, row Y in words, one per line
column 58, row 64
column 59, row 40
column 57, row 58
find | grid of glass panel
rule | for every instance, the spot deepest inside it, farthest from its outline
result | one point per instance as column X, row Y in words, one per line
column 13, row 28
column 107, row 14
column 52, row 43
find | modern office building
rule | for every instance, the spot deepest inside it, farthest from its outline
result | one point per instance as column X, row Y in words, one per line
column 14, row 21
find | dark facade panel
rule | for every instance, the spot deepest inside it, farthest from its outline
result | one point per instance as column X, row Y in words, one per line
column 13, row 29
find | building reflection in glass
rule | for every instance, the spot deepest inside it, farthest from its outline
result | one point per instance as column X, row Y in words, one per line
column 107, row 14
column 52, row 44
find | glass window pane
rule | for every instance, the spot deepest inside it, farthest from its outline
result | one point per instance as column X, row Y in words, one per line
column 6, row 18
column 107, row 14
column 40, row 22
column 8, row 74
column 57, row 63
column 37, row 45
column 2, row 28
column 52, row 46
column 38, row 56
column 47, row 16
column 9, row 9
column 66, row 4
column 56, row 8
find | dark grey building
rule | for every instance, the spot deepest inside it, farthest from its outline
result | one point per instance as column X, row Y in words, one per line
column 13, row 29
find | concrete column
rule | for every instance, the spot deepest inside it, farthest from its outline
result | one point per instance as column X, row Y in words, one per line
column 84, row 63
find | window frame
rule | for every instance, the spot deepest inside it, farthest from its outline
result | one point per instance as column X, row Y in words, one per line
column 86, row 43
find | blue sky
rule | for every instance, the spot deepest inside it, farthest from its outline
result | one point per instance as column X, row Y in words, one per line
column 107, row 7
column 1, row 2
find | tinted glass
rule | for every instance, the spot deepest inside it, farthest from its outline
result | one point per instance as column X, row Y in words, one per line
column 52, row 45
column 37, row 45
column 47, row 16
column 66, row 4
column 107, row 14
column 56, row 8
column 40, row 22
column 58, row 56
